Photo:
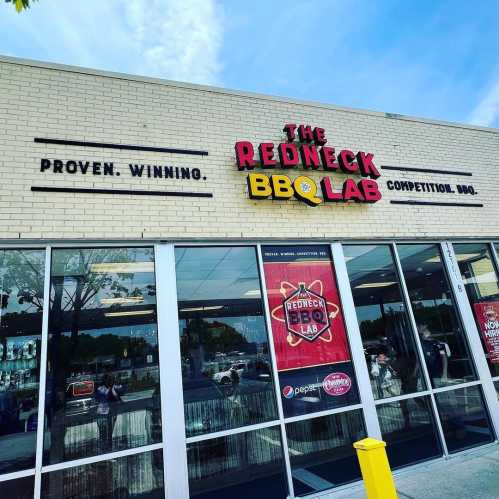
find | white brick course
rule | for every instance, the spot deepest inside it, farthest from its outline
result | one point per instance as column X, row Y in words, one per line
column 49, row 101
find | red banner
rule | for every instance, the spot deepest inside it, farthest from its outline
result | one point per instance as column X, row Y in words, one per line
column 307, row 321
column 487, row 315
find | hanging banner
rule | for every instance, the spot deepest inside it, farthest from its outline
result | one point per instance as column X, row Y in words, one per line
column 310, row 341
column 487, row 315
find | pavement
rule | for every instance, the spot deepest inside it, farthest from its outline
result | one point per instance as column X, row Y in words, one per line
column 470, row 475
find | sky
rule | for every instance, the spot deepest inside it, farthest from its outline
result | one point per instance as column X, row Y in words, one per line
column 434, row 59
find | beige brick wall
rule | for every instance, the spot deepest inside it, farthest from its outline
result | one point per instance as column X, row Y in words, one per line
column 41, row 100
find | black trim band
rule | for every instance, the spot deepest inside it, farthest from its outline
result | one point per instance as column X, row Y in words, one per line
column 120, row 146
column 425, row 170
column 82, row 190
column 436, row 203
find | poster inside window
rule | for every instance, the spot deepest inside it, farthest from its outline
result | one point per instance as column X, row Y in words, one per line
column 311, row 347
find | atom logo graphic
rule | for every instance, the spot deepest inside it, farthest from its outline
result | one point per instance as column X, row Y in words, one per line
column 306, row 313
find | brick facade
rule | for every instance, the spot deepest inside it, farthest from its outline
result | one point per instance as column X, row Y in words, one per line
column 51, row 101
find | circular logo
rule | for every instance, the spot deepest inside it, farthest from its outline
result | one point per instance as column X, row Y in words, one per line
column 288, row 392
column 337, row 384
column 305, row 187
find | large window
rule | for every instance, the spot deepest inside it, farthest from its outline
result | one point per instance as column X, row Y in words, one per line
column 482, row 286
column 409, row 430
column 389, row 345
column 21, row 305
column 313, row 357
column 102, row 375
column 321, row 451
column 440, row 332
column 243, row 465
column 138, row 476
column 226, row 367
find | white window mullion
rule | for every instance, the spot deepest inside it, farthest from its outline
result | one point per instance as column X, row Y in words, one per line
column 355, row 341
column 170, row 365
column 43, row 375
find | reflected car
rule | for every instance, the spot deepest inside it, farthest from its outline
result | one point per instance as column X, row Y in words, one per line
column 80, row 397
column 225, row 377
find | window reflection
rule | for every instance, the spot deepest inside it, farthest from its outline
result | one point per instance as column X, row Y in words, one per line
column 409, row 430
column 21, row 306
column 442, row 338
column 137, row 476
column 321, row 451
column 387, row 337
column 226, row 370
column 480, row 279
column 102, row 373
column 21, row 488
column 245, row 465
column 464, row 419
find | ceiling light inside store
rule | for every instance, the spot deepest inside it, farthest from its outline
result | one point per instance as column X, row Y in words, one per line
column 131, row 312
column 252, row 292
column 122, row 300
column 375, row 285
column 201, row 309
column 122, row 268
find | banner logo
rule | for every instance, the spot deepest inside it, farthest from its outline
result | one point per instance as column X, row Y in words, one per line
column 306, row 312
column 337, row 384
column 288, row 392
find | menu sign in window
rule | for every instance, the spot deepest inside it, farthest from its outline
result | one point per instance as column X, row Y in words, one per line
column 310, row 341
column 487, row 314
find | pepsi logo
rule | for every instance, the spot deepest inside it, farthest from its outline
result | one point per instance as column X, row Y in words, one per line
column 288, row 392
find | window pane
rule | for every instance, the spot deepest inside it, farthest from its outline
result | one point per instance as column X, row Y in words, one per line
column 246, row 465
column 321, row 451
column 313, row 357
column 21, row 488
column 21, row 305
column 226, row 369
column 409, row 430
column 442, row 338
column 102, row 376
column 387, row 336
column 140, row 476
column 464, row 419
column 482, row 286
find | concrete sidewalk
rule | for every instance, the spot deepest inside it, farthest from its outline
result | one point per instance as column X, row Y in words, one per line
column 473, row 475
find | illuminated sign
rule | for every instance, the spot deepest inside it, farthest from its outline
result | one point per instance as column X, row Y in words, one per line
column 312, row 153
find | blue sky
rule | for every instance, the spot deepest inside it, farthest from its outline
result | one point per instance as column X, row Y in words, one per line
column 436, row 59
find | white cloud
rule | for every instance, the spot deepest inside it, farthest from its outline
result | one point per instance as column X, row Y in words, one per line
column 486, row 112
column 174, row 39
column 177, row 39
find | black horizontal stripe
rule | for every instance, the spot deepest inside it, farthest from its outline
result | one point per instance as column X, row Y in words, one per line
column 123, row 191
column 425, row 170
column 438, row 203
column 120, row 146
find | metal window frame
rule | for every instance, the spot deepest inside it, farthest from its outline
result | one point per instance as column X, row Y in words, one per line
column 173, row 424
column 472, row 335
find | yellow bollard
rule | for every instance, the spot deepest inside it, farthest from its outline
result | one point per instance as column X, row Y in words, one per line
column 378, row 479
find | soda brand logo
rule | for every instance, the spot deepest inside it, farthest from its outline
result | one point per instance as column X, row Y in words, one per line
column 313, row 156
column 337, row 384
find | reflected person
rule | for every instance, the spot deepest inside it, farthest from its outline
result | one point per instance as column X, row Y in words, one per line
column 108, row 394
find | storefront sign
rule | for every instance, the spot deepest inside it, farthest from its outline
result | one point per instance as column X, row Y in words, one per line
column 310, row 342
column 487, row 315
column 313, row 154
column 135, row 171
